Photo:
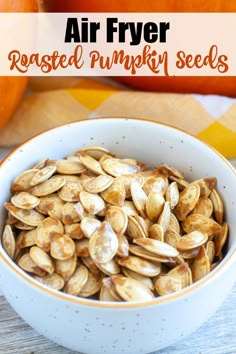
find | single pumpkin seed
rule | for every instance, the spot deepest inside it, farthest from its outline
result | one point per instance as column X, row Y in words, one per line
column 156, row 184
column 8, row 241
column 172, row 237
column 157, row 247
column 188, row 199
column 109, row 268
column 77, row 281
column 145, row 224
column 69, row 167
column 98, row 184
column 117, row 218
column 65, row 268
column 42, row 175
column 198, row 222
column 70, row 192
column 172, row 195
column 164, row 218
column 25, row 200
column 92, row 203
column 192, row 240
column 115, row 194
column 140, row 265
column 103, row 244
column 89, row 225
column 28, row 239
column 118, row 167
column 26, row 263
column 154, row 205
column 22, row 181
column 167, row 284
column 29, row 217
column 82, row 248
column 62, row 246
column 156, row 232
column 44, row 232
column 105, row 294
column 139, row 198
column 53, row 281
column 42, row 259
column 50, row 186
column 173, row 224
column 72, row 213
column 90, row 163
column 134, row 229
column 131, row 290
column 123, row 246
column 204, row 206
column 211, row 251
column 221, row 238
column 182, row 272
column 92, row 286
column 201, row 265
column 218, row 206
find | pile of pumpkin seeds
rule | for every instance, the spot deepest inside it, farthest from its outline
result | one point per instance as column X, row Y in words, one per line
column 107, row 228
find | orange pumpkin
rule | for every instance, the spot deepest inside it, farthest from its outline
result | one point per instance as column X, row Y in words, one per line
column 140, row 6
column 12, row 87
column 207, row 85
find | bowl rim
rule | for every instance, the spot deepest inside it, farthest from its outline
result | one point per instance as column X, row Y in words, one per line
column 226, row 263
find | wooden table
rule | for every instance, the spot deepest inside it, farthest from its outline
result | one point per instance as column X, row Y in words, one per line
column 217, row 336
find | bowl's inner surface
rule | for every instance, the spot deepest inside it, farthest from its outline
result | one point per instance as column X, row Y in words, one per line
column 146, row 141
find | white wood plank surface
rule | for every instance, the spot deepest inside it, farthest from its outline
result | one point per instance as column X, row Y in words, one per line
column 217, row 336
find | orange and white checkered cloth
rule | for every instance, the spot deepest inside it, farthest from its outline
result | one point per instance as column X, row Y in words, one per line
column 55, row 101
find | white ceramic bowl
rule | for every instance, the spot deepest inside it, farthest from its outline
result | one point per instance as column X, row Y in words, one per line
column 93, row 327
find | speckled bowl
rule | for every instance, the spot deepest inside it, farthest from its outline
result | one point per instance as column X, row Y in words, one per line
column 94, row 327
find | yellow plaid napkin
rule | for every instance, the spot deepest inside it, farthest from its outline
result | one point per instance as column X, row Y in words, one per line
column 57, row 101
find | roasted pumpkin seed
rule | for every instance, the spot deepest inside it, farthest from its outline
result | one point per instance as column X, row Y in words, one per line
column 77, row 281
column 117, row 218
column 192, row 240
column 65, row 268
column 103, row 244
column 131, row 290
column 8, row 241
column 25, row 200
column 53, row 281
column 140, row 265
column 167, row 284
column 188, row 199
column 62, row 246
column 42, row 259
column 30, row 217
column 42, row 175
column 157, row 247
column 201, row 265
